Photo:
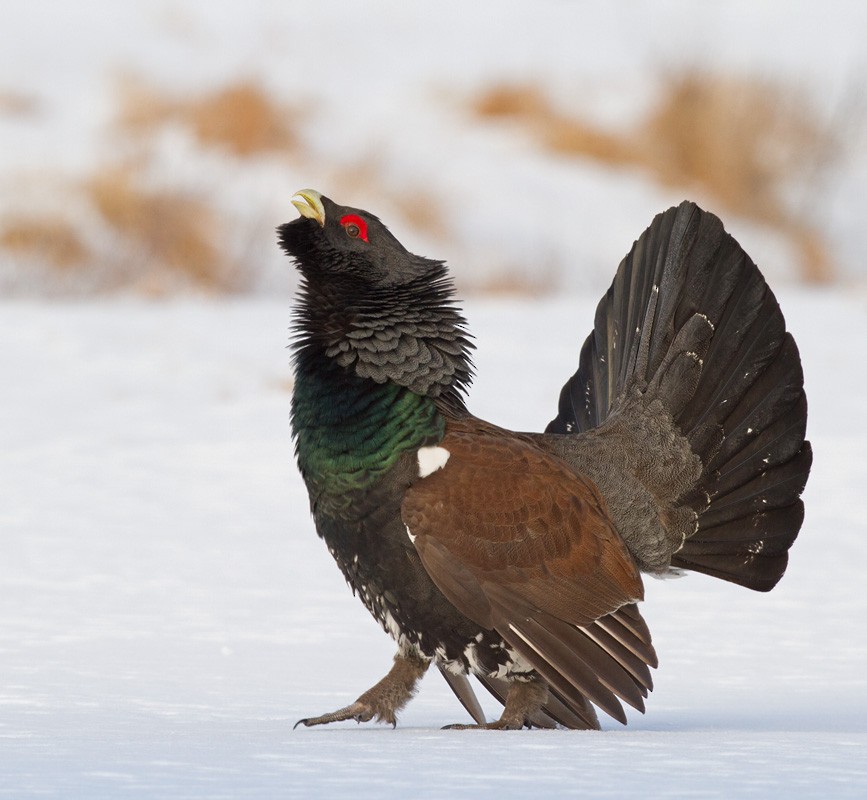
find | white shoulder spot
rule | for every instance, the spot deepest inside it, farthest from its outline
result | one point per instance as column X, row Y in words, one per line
column 430, row 459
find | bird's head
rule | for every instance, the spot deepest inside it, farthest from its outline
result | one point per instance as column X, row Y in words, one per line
column 343, row 245
column 370, row 306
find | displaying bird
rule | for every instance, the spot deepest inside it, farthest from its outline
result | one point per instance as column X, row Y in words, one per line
column 678, row 444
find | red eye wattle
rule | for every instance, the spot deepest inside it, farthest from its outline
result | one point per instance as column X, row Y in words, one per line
column 354, row 226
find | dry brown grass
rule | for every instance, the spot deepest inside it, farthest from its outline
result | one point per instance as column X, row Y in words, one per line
column 239, row 117
column 421, row 209
column 744, row 141
column 153, row 238
column 513, row 284
column 170, row 230
column 741, row 141
column 242, row 118
column 16, row 103
column 51, row 240
column 716, row 133
column 527, row 106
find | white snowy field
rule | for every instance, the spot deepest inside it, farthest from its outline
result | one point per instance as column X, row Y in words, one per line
column 167, row 612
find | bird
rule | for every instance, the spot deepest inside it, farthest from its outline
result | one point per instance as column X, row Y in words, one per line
column 678, row 445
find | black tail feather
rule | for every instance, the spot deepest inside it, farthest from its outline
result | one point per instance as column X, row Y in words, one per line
column 777, row 444
column 690, row 323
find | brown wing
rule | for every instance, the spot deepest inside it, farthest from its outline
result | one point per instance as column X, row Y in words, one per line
column 522, row 545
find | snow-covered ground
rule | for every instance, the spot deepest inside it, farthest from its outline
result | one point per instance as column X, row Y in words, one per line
column 167, row 612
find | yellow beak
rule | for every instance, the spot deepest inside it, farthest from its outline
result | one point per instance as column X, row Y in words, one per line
column 309, row 204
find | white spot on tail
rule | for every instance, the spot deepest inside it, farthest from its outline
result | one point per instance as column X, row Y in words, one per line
column 430, row 459
column 704, row 317
column 410, row 534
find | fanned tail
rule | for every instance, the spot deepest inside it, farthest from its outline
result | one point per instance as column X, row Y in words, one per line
column 689, row 335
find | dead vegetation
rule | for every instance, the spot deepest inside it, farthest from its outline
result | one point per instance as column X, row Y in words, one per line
column 241, row 117
column 154, row 232
column 513, row 283
column 16, row 103
column 51, row 240
column 114, row 232
column 744, row 142
column 168, row 230
column 528, row 106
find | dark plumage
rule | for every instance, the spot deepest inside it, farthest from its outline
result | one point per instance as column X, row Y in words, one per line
column 678, row 443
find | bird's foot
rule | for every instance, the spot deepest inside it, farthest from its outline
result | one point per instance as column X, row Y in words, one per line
column 524, row 699
column 499, row 725
column 360, row 711
column 381, row 702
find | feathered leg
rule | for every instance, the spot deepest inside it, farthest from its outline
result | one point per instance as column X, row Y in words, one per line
column 381, row 702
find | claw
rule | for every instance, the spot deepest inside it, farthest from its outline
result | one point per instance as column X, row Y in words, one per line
column 360, row 712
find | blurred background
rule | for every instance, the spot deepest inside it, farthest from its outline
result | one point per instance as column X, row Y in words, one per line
column 151, row 147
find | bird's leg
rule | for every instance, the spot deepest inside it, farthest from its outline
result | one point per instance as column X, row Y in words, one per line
column 524, row 699
column 383, row 701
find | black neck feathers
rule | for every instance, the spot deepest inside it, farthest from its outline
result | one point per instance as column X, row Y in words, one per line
column 409, row 333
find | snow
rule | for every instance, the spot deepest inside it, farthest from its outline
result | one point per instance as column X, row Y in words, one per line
column 167, row 612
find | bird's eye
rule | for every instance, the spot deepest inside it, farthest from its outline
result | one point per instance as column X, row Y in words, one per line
column 355, row 227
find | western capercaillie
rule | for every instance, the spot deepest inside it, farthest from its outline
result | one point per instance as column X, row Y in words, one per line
column 517, row 557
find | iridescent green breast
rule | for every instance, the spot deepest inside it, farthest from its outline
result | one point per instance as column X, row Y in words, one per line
column 351, row 431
